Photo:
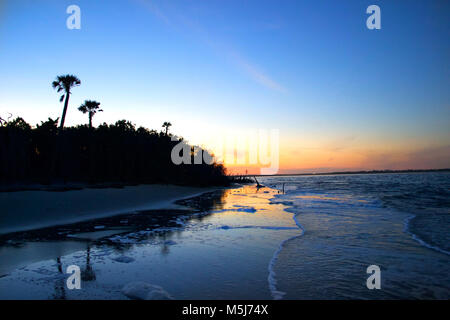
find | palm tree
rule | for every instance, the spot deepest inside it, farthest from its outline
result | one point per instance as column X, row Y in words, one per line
column 65, row 83
column 166, row 125
column 90, row 107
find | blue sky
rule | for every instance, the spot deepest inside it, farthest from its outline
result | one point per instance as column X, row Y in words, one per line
column 309, row 68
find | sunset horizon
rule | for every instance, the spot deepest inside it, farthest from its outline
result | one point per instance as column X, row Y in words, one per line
column 340, row 107
column 231, row 156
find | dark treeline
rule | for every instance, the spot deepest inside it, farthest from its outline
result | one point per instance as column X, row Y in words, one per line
column 117, row 153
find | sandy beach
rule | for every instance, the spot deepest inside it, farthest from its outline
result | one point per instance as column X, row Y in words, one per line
column 238, row 243
column 26, row 210
column 206, row 248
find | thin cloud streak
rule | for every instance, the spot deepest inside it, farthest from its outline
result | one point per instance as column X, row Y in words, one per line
column 256, row 74
column 154, row 9
column 250, row 69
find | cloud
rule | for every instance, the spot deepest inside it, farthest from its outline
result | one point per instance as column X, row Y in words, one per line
column 178, row 18
column 257, row 75
column 154, row 9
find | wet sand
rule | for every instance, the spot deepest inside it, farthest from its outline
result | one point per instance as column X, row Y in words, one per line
column 218, row 247
column 28, row 210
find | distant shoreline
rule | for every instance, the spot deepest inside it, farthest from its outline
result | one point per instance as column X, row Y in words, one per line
column 351, row 172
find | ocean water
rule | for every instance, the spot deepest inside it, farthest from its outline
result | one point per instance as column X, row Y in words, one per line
column 399, row 222
column 315, row 240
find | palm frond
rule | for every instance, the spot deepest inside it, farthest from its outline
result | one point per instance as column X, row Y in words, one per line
column 66, row 82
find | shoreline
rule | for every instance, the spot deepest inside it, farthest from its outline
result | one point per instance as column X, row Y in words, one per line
column 30, row 210
column 22, row 248
column 72, row 186
column 272, row 277
column 217, row 222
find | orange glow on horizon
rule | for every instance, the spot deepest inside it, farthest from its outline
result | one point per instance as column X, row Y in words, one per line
column 323, row 159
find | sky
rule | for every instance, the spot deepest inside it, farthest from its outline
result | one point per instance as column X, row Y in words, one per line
column 341, row 96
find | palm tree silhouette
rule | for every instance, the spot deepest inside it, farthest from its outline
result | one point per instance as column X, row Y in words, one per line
column 65, row 83
column 166, row 125
column 91, row 107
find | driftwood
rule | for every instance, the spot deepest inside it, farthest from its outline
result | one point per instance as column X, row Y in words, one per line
column 257, row 183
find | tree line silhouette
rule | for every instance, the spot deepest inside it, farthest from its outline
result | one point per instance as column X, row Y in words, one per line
column 109, row 153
